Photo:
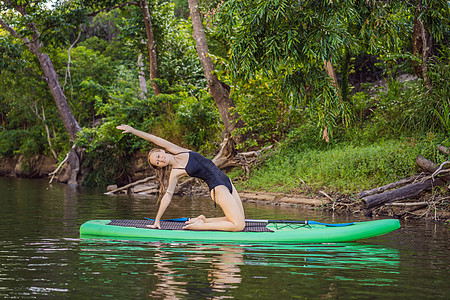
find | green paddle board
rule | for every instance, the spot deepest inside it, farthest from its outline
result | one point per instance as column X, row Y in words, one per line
column 255, row 231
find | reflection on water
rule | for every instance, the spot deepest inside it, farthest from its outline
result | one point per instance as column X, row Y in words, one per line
column 218, row 270
column 42, row 256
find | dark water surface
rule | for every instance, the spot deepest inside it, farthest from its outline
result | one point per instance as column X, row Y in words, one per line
column 42, row 256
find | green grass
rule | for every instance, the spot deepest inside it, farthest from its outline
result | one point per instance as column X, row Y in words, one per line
column 342, row 168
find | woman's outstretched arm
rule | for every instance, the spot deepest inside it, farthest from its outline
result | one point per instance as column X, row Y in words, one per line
column 167, row 198
column 171, row 147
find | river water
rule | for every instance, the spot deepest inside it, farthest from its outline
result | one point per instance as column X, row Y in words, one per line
column 42, row 256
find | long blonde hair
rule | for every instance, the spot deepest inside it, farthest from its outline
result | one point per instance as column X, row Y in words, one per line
column 162, row 173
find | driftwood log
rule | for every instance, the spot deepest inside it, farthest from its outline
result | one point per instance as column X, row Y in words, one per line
column 125, row 187
column 389, row 186
column 398, row 191
column 405, row 192
column 426, row 164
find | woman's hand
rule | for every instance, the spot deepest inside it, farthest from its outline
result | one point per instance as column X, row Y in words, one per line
column 125, row 128
column 156, row 225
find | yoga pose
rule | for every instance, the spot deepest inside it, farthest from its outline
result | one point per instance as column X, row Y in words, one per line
column 186, row 162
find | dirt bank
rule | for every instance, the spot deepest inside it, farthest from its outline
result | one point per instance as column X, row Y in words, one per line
column 32, row 167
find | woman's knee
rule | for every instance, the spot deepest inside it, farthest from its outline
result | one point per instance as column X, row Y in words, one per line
column 239, row 225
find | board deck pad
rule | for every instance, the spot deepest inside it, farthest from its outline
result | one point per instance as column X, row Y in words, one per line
column 177, row 225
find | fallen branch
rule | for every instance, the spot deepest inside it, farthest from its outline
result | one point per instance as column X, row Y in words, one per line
column 181, row 184
column 408, row 204
column 307, row 187
column 130, row 185
column 329, row 198
column 59, row 166
column 389, row 186
column 227, row 158
column 432, row 167
column 47, row 130
column 409, row 191
column 326, row 195
column 439, row 170
column 68, row 63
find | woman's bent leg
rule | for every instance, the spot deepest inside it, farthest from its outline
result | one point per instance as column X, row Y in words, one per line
column 234, row 219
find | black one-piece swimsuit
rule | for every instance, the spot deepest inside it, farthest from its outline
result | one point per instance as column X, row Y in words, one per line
column 199, row 166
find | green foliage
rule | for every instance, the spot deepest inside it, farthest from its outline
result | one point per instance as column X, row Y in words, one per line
column 23, row 94
column 199, row 121
column 343, row 168
column 266, row 115
column 10, row 142
column 34, row 142
column 273, row 33
column 106, row 155
column 408, row 106
column 178, row 62
column 444, row 116
column 19, row 142
column 10, row 54
column 435, row 15
column 89, row 76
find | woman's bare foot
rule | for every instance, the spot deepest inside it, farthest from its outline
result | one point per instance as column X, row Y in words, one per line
column 194, row 220
column 197, row 224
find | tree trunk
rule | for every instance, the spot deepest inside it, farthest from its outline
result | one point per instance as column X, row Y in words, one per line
column 423, row 49
column 226, row 152
column 218, row 90
column 151, row 47
column 71, row 125
column 142, row 81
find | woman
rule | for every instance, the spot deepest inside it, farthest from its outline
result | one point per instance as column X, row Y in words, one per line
column 185, row 162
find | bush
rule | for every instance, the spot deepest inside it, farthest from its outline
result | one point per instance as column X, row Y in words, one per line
column 106, row 154
column 199, row 121
column 10, row 141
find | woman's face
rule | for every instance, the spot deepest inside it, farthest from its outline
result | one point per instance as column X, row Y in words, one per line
column 159, row 159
